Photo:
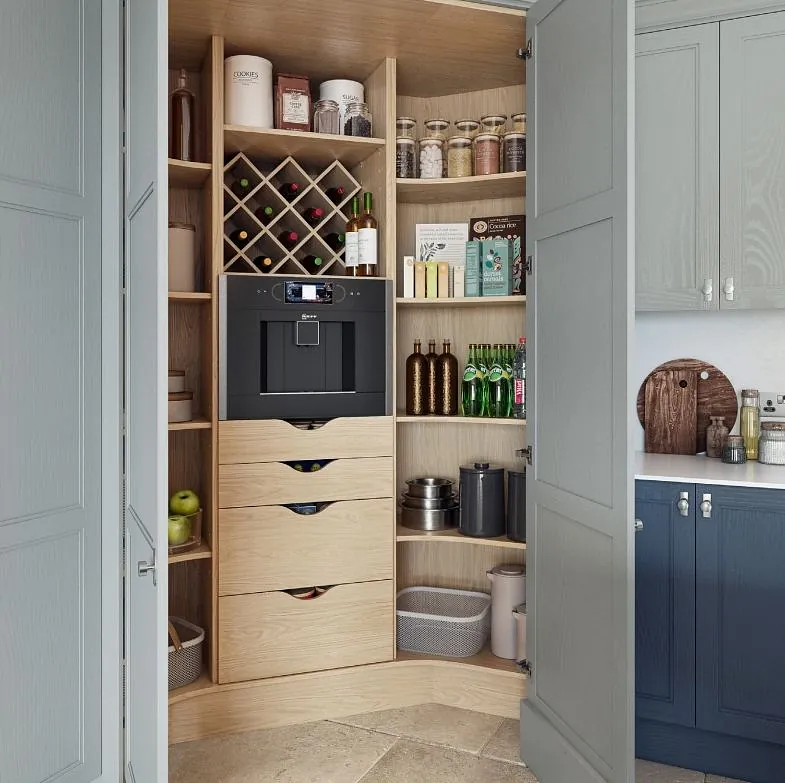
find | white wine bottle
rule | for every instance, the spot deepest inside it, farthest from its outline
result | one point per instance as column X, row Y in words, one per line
column 368, row 241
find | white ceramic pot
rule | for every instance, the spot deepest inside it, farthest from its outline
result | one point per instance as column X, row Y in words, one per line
column 343, row 92
column 182, row 257
column 508, row 591
column 248, row 91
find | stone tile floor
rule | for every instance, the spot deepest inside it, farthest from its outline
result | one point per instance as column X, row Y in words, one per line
column 428, row 743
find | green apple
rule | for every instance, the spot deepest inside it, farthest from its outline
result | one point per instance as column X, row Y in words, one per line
column 179, row 529
column 185, row 502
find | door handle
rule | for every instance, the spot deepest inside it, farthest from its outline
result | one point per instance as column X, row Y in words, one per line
column 730, row 289
column 684, row 504
column 706, row 507
column 708, row 289
column 143, row 568
column 638, row 525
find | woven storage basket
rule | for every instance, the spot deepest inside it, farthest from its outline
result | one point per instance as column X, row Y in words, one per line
column 437, row 621
column 185, row 665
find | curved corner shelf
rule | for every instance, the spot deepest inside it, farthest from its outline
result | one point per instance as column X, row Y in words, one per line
column 456, row 189
column 202, row 552
column 402, row 418
column 188, row 174
column 484, row 659
column 452, row 536
column 464, row 301
column 197, row 423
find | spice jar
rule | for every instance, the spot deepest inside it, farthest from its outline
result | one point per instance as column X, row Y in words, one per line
column 493, row 123
column 519, row 122
column 514, row 154
column 750, row 421
column 734, row 452
column 486, row 154
column 431, row 158
column 406, row 128
column 716, row 433
column 326, row 116
column 771, row 446
column 459, row 156
column 405, row 157
column 468, row 128
column 357, row 120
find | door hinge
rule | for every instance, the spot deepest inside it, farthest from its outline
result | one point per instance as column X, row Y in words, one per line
column 528, row 265
column 525, row 667
column 528, row 52
column 527, row 454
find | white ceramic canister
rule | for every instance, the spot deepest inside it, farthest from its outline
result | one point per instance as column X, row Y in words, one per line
column 248, row 91
column 508, row 591
column 176, row 381
column 519, row 613
column 182, row 257
column 343, row 92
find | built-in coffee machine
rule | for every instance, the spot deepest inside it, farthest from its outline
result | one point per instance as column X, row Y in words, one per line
column 304, row 348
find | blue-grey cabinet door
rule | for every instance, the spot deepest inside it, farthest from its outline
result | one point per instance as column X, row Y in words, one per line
column 740, row 609
column 665, row 603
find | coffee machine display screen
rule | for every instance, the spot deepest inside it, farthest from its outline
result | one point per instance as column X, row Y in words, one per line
column 309, row 293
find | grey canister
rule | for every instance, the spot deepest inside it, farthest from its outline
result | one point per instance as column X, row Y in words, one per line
column 482, row 500
column 516, row 505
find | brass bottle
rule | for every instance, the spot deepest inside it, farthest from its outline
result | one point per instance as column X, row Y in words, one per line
column 447, row 371
column 433, row 389
column 416, row 381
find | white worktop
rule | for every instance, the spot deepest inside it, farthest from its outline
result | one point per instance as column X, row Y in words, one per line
column 702, row 470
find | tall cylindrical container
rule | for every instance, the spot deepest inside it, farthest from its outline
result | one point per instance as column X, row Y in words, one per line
column 750, row 421
column 481, row 500
column 248, row 91
column 508, row 590
column 182, row 257
column 416, row 380
column 447, row 370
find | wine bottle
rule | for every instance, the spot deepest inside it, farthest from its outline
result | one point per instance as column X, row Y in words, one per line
column 416, row 380
column 433, row 387
column 367, row 241
column 447, row 370
column 183, row 138
column 241, row 187
column 312, row 264
column 352, row 238
column 265, row 214
column 314, row 215
column 336, row 195
column 335, row 241
column 289, row 190
column 263, row 263
column 240, row 237
column 288, row 239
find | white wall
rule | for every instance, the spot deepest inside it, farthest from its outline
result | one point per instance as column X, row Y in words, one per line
column 749, row 347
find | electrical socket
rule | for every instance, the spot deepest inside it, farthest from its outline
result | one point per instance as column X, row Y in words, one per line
column 772, row 405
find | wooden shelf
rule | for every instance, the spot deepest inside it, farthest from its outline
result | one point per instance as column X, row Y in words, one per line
column 188, row 296
column 198, row 423
column 466, row 301
column 452, row 536
column 187, row 690
column 456, row 189
column 485, row 659
column 310, row 149
column 202, row 552
column 187, row 174
column 402, row 418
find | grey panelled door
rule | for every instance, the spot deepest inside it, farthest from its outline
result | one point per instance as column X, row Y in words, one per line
column 145, row 368
column 677, row 137
column 752, row 166
column 577, row 721
column 50, row 392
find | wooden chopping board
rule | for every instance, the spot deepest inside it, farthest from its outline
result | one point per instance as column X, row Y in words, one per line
column 715, row 397
column 671, row 400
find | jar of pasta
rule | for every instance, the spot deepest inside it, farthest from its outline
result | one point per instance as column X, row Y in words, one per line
column 459, row 156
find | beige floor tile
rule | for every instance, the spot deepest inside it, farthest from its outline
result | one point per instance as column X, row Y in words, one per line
column 649, row 772
column 412, row 762
column 719, row 779
column 434, row 723
column 505, row 744
column 310, row 753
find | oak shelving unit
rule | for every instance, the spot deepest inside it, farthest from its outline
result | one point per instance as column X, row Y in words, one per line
column 188, row 174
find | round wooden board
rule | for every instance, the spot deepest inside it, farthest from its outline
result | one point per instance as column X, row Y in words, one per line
column 716, row 396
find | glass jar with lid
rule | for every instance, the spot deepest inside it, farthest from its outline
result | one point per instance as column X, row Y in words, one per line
column 514, row 151
column 734, row 453
column 326, row 116
column 771, row 446
column 486, row 154
column 436, row 129
column 406, row 128
column 468, row 128
column 405, row 157
column 459, row 156
column 431, row 158
column 357, row 120
column 519, row 122
column 750, row 421
column 493, row 123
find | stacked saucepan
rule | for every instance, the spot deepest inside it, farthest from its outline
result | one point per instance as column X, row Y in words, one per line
column 429, row 504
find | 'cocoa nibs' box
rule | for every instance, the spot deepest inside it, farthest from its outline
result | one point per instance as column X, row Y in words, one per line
column 292, row 102
column 504, row 227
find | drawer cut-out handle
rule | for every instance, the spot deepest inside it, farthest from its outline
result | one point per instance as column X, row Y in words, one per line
column 307, row 425
column 308, row 509
column 308, row 593
column 308, row 465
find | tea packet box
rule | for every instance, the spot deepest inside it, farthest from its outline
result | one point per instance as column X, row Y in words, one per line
column 472, row 274
column 512, row 227
column 497, row 260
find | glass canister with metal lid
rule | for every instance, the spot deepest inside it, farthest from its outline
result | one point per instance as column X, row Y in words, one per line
column 734, row 453
column 771, row 446
column 750, row 421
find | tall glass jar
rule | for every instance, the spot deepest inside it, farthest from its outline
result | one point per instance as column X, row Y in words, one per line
column 459, row 156
column 405, row 157
column 326, row 116
column 468, row 128
column 431, row 158
column 514, row 151
column 486, row 154
column 357, row 120
column 406, row 128
column 750, row 421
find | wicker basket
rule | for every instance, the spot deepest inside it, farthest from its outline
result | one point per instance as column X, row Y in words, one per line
column 437, row 621
column 185, row 664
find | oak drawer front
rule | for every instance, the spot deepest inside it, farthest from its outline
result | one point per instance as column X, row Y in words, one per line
column 273, row 440
column 273, row 548
column 273, row 483
column 273, row 634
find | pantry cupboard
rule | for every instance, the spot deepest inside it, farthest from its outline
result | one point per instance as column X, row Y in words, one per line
column 270, row 659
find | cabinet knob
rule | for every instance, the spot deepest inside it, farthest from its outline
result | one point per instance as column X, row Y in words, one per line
column 684, row 504
column 706, row 506
column 730, row 289
column 638, row 525
column 708, row 289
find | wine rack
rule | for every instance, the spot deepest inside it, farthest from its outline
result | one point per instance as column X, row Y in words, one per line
column 241, row 214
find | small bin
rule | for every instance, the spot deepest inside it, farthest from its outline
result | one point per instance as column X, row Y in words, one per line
column 185, row 664
column 438, row 621
column 194, row 540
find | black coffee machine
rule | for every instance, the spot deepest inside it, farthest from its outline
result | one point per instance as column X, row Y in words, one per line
column 304, row 348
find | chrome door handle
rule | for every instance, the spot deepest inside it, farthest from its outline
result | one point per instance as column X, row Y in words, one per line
column 730, row 289
column 143, row 568
column 638, row 525
column 706, row 507
column 684, row 504
column 708, row 289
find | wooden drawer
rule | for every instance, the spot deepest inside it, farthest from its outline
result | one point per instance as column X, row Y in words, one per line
column 273, row 483
column 273, row 440
column 272, row 634
column 274, row 548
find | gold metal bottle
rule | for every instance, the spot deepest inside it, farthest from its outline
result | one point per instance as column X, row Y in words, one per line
column 416, row 382
column 447, row 371
column 433, row 387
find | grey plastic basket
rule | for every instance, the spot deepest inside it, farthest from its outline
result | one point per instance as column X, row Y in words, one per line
column 185, row 665
column 437, row 621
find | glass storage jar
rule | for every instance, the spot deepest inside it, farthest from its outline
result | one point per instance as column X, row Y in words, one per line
column 486, row 154
column 514, row 154
column 493, row 123
column 771, row 446
column 357, row 120
column 431, row 158
column 405, row 157
column 406, row 128
column 716, row 433
column 734, row 453
column 519, row 122
column 459, row 156
column 750, row 421
column 436, row 129
column 468, row 128
column 326, row 116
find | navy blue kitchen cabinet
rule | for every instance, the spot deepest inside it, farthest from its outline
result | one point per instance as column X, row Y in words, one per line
column 710, row 629
column 665, row 603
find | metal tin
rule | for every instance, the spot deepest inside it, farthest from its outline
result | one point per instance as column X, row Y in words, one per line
column 410, row 501
column 482, row 500
column 430, row 487
column 771, row 449
column 429, row 519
